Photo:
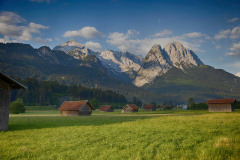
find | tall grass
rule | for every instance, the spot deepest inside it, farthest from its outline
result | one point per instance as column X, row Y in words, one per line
column 203, row 136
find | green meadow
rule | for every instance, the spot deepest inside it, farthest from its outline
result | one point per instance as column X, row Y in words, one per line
column 144, row 135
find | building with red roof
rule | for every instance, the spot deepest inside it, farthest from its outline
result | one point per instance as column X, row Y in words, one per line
column 130, row 108
column 106, row 108
column 221, row 105
column 76, row 108
column 149, row 107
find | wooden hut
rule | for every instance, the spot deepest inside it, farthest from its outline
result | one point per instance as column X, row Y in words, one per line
column 149, row 107
column 106, row 108
column 6, row 83
column 221, row 105
column 130, row 108
column 163, row 107
column 76, row 108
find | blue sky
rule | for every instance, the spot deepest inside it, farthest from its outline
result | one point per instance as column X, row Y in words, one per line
column 210, row 28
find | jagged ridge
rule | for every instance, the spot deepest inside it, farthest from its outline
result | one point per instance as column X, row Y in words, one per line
column 158, row 61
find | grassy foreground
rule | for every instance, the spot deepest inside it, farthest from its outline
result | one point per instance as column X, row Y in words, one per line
column 130, row 136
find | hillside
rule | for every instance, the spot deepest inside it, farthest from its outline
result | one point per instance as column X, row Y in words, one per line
column 202, row 83
column 172, row 73
column 23, row 61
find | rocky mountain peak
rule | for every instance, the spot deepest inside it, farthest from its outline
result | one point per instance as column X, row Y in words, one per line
column 159, row 60
column 47, row 54
column 156, row 46
column 45, row 49
column 181, row 56
column 70, row 46
column 72, row 42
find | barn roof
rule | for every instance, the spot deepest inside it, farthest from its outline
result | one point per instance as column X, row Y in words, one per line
column 73, row 105
column 12, row 83
column 148, row 106
column 220, row 101
column 133, row 106
column 105, row 107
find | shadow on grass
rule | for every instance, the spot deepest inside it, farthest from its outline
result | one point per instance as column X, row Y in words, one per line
column 40, row 122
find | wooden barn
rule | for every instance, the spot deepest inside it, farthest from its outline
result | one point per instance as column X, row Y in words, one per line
column 106, row 108
column 149, row 107
column 6, row 83
column 76, row 108
column 130, row 108
column 221, row 105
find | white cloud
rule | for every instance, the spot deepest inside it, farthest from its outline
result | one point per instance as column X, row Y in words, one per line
column 238, row 74
column 35, row 28
column 142, row 46
column 218, row 46
column 235, row 65
column 230, row 54
column 86, row 32
column 10, row 18
column 233, row 20
column 223, row 34
column 11, row 27
column 57, row 39
column 235, row 50
column 40, row 40
column 193, row 35
column 234, row 33
column 94, row 46
column 163, row 33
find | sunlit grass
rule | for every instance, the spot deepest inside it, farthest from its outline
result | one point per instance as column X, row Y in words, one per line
column 130, row 136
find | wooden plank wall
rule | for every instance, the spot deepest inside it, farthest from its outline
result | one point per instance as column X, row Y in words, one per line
column 220, row 107
column 85, row 110
column 69, row 113
column 4, row 105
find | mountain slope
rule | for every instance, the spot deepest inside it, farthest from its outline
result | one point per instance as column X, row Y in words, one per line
column 173, row 74
column 23, row 61
column 154, row 64
column 158, row 61
column 122, row 65
column 117, row 62
column 202, row 83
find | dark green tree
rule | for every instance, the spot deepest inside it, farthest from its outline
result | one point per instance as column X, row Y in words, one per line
column 94, row 102
column 137, row 101
column 190, row 102
column 17, row 106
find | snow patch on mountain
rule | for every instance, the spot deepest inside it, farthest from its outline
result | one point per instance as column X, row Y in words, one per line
column 120, row 61
column 115, row 61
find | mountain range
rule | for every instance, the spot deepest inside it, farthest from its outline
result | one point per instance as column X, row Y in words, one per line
column 172, row 73
column 123, row 65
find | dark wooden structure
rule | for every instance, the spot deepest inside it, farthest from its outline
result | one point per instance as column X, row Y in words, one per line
column 6, row 83
column 76, row 108
column 149, row 107
column 106, row 108
column 130, row 108
column 221, row 105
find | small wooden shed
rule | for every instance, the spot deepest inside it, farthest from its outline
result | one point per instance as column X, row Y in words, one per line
column 221, row 105
column 106, row 108
column 149, row 107
column 129, row 108
column 6, row 83
column 76, row 108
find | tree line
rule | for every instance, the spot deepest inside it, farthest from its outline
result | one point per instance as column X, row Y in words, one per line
column 50, row 92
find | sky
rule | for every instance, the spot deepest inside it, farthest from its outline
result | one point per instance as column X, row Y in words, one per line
column 211, row 28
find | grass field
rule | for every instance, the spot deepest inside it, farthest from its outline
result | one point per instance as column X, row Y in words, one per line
column 162, row 135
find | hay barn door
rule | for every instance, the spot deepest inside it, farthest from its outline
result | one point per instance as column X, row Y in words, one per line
column 4, row 105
